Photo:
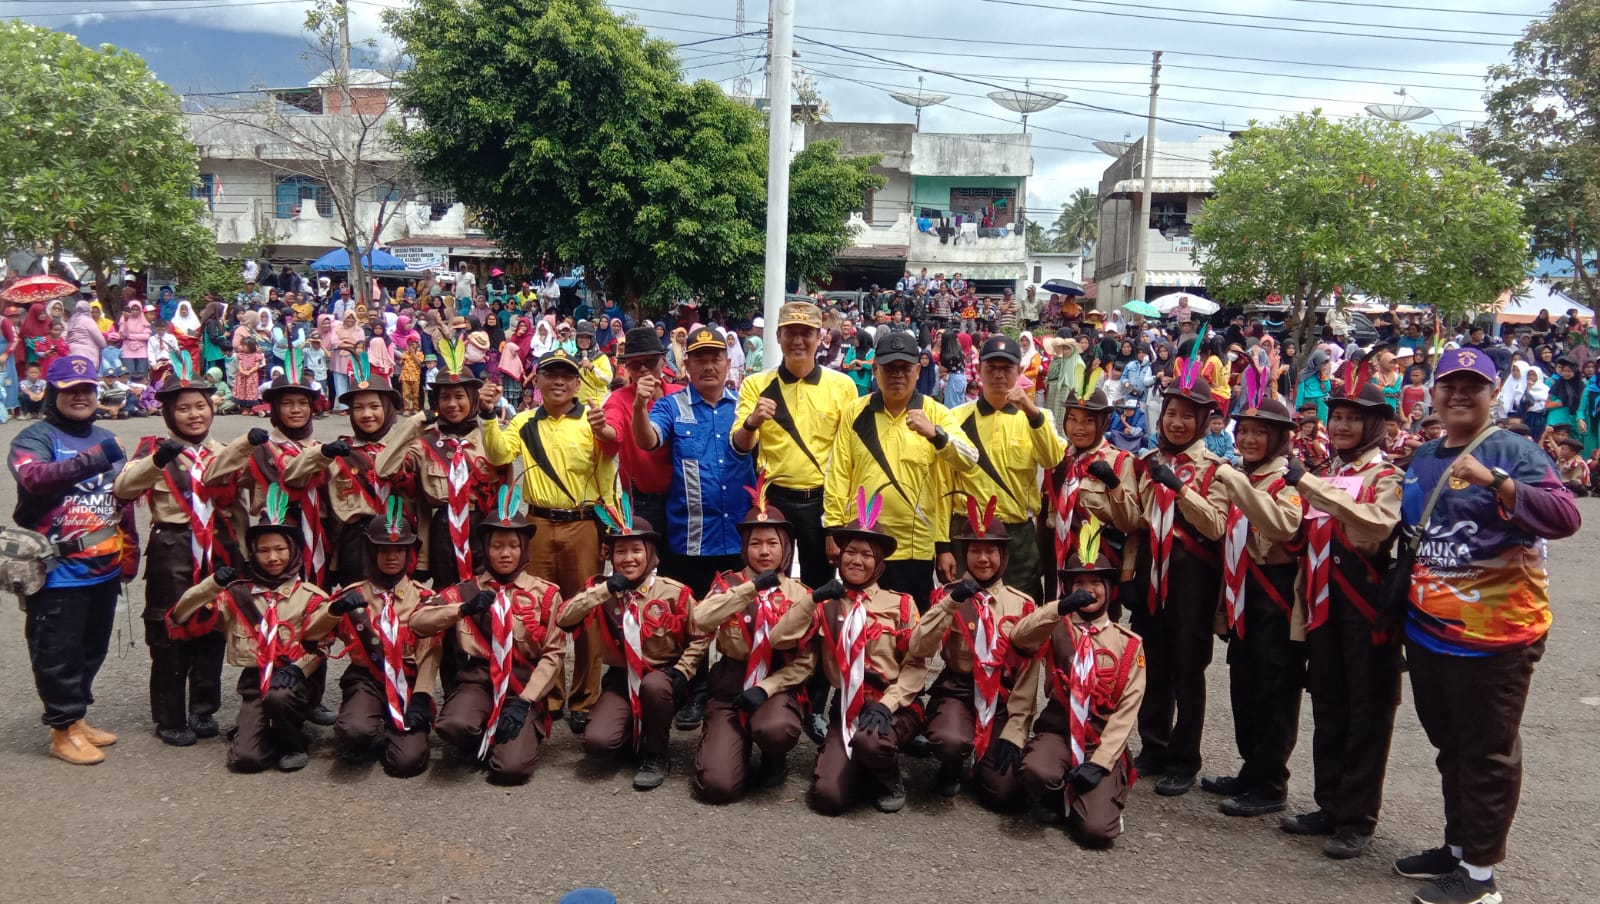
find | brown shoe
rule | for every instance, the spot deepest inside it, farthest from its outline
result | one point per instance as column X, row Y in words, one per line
column 93, row 735
column 66, row 744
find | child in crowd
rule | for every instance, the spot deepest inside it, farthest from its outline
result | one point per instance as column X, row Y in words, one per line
column 1218, row 441
column 30, row 391
column 247, row 378
column 411, row 376
column 53, row 347
column 1570, row 465
column 430, row 371
column 221, row 396
column 161, row 346
column 113, row 402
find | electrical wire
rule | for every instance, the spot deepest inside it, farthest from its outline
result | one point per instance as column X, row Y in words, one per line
column 1424, row 9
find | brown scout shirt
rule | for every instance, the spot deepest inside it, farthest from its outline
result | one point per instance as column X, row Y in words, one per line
column 141, row 475
column 403, row 447
column 421, row 653
column 902, row 674
column 1274, row 520
column 731, row 611
column 672, row 642
column 301, row 599
column 1117, row 722
column 536, row 639
column 937, row 632
column 233, row 462
column 1207, row 512
column 1368, row 525
column 346, row 500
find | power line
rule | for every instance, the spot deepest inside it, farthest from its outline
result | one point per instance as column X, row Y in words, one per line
column 1424, row 9
column 156, row 9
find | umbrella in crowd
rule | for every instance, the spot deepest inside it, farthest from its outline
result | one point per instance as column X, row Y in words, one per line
column 1202, row 306
column 1063, row 287
column 30, row 289
column 1142, row 308
column 339, row 260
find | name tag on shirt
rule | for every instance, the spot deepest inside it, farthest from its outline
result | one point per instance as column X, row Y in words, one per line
column 1350, row 483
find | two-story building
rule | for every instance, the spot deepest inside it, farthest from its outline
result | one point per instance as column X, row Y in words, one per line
column 1180, row 183
column 952, row 203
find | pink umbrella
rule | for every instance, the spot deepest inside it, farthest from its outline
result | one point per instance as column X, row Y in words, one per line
column 30, row 289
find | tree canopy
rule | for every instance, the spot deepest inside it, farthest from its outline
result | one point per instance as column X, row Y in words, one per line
column 570, row 130
column 1307, row 206
column 93, row 157
column 1543, row 134
column 1078, row 224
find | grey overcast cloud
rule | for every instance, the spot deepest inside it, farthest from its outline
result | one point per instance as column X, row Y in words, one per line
column 1225, row 62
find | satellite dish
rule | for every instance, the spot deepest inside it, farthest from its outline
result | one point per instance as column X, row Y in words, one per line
column 1462, row 130
column 1113, row 148
column 1401, row 112
column 1026, row 101
column 919, row 99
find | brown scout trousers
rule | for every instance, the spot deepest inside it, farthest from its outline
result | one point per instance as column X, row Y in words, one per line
column 1177, row 648
column 1355, row 690
column 269, row 728
column 465, row 716
column 950, row 727
column 1266, row 676
column 839, row 781
column 567, row 555
column 1093, row 817
column 364, row 725
column 723, row 760
column 1471, row 709
column 185, row 675
column 610, row 731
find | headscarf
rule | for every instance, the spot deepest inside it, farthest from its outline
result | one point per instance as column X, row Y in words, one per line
column 1030, row 351
column 168, row 415
column 402, row 334
column 1514, row 388
column 735, row 356
column 290, row 572
column 544, row 338
column 56, row 419
column 1066, row 367
column 83, row 333
column 1313, row 365
column 300, row 435
column 186, row 323
column 928, row 378
column 755, row 355
column 106, row 324
column 36, row 326
column 379, row 354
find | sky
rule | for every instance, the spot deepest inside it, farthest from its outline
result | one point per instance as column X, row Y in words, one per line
column 1225, row 62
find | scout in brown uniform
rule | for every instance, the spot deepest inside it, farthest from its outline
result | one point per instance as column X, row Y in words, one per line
column 980, row 705
column 512, row 651
column 456, row 484
column 387, row 704
column 1078, row 760
column 861, row 635
column 755, row 691
column 195, row 529
column 1096, row 479
column 1353, row 671
column 346, row 473
column 1187, row 509
column 263, row 608
column 648, row 646
column 1261, row 615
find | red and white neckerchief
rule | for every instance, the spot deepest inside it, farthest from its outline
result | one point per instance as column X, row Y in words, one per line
column 1067, row 503
column 267, row 639
column 759, row 664
column 1081, row 687
column 458, row 477
column 1235, row 542
column 988, row 655
column 201, row 508
column 396, row 689
column 633, row 650
column 1319, row 562
column 500, row 645
column 850, row 653
column 310, row 520
column 1161, row 525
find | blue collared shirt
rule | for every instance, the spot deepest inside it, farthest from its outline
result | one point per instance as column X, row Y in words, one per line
column 710, row 478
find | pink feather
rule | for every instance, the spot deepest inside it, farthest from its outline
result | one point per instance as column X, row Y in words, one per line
column 861, row 506
column 875, row 508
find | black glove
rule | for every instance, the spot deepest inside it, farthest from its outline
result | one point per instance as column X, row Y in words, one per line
column 1103, row 472
column 258, row 436
column 832, row 590
column 348, row 603
column 480, row 603
column 226, row 575
column 1085, row 776
column 618, row 583
column 429, row 416
column 1005, row 756
column 420, row 712
column 287, row 676
column 1294, row 473
column 963, row 590
column 1163, row 475
column 766, row 580
column 112, row 451
column 875, row 718
column 512, row 716
column 680, row 681
column 167, row 453
column 752, row 699
column 1074, row 601
column 336, row 449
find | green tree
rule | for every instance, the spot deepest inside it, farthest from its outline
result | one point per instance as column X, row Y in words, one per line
column 93, row 157
column 1078, row 224
column 1036, row 239
column 1543, row 134
column 1306, row 205
column 570, row 130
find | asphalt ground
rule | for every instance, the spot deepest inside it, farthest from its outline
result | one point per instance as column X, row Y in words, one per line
column 160, row 824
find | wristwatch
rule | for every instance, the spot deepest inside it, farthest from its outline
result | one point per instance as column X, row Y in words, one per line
column 1501, row 475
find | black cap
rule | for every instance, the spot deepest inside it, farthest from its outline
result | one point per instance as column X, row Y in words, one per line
column 897, row 346
column 585, row 328
column 1002, row 347
column 642, row 342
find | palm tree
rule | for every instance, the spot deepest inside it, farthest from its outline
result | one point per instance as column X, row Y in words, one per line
column 1078, row 223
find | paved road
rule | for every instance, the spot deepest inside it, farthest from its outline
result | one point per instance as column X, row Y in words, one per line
column 164, row 825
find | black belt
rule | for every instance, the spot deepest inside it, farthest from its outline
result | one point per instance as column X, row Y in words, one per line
column 163, row 525
column 812, row 495
column 562, row 516
column 78, row 544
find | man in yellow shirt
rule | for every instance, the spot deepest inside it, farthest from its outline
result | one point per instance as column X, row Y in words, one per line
column 790, row 415
column 565, row 473
column 903, row 445
column 1014, row 440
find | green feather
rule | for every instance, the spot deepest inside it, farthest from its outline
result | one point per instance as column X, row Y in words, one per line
column 453, row 355
column 362, row 367
column 396, row 513
column 277, row 505
column 177, row 363
column 627, row 510
column 605, row 518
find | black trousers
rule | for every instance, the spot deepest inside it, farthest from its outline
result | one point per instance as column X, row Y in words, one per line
column 698, row 572
column 803, row 508
column 913, row 576
column 69, row 631
column 1266, row 676
column 1471, row 709
column 1178, row 645
column 185, row 675
column 1355, row 690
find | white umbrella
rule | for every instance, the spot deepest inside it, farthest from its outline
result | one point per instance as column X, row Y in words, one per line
column 1205, row 307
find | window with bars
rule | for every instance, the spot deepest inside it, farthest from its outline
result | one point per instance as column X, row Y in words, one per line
column 293, row 192
column 206, row 190
column 1000, row 203
column 439, row 204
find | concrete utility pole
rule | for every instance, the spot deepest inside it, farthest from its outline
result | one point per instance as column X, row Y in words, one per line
column 1141, row 220
column 780, row 65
